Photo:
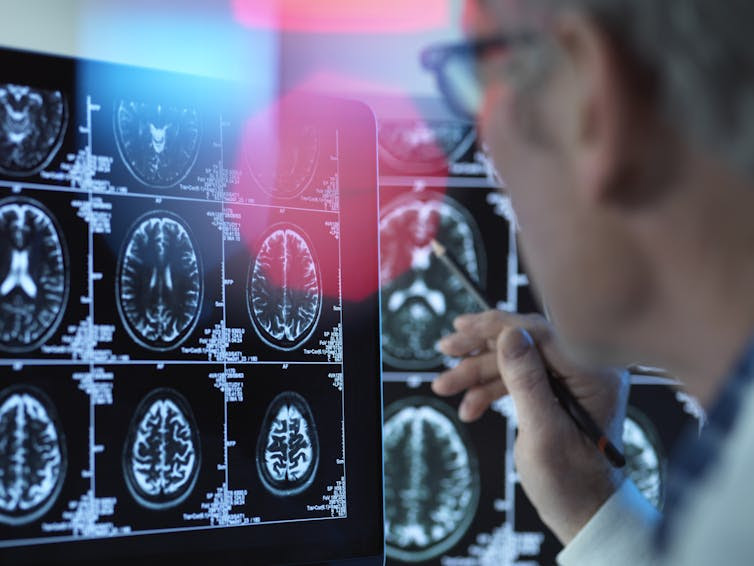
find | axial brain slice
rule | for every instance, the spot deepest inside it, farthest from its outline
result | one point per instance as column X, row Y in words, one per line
column 431, row 480
column 160, row 282
column 33, row 274
column 288, row 447
column 158, row 143
column 422, row 147
column 32, row 455
column 32, row 122
column 420, row 297
column 284, row 291
column 162, row 454
column 282, row 159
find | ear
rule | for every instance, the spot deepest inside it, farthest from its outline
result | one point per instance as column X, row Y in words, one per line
column 600, row 137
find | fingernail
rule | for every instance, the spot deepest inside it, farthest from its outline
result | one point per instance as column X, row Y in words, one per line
column 517, row 344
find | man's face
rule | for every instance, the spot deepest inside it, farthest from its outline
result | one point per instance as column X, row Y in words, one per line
column 580, row 260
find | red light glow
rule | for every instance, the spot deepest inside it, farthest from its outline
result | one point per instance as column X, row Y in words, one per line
column 343, row 16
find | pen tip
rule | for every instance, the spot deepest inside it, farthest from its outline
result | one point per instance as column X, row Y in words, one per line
column 438, row 248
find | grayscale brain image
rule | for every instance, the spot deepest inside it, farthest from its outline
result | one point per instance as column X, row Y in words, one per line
column 288, row 446
column 162, row 455
column 284, row 289
column 282, row 158
column 32, row 455
column 421, row 147
column 432, row 481
column 420, row 297
column 159, row 281
column 178, row 284
column 159, row 144
column 644, row 456
column 32, row 125
column 33, row 274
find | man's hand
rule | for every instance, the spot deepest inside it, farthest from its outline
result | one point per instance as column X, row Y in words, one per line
column 562, row 472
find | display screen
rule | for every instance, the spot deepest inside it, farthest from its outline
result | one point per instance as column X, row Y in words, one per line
column 189, row 331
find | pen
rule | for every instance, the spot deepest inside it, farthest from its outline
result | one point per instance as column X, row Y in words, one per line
column 570, row 404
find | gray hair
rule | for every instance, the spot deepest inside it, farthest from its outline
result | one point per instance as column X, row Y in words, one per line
column 701, row 56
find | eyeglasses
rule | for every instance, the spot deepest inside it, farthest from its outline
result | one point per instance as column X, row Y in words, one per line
column 456, row 69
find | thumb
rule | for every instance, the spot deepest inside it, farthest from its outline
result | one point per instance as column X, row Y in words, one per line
column 525, row 375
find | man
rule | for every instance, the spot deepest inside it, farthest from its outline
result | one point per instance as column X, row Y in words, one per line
column 624, row 132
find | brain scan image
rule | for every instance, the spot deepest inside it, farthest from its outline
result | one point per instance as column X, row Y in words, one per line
column 420, row 296
column 423, row 147
column 33, row 457
column 431, row 477
column 159, row 144
column 33, row 274
column 644, row 456
column 288, row 447
column 32, row 125
column 159, row 281
column 282, row 157
column 162, row 454
column 284, row 288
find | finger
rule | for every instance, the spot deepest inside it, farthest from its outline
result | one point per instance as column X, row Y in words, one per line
column 535, row 324
column 470, row 372
column 565, row 366
column 475, row 331
column 488, row 324
column 486, row 321
column 465, row 321
column 461, row 344
column 543, row 334
column 524, row 374
column 478, row 399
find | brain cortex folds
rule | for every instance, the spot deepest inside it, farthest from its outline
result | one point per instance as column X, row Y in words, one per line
column 284, row 288
column 162, row 455
column 32, row 455
column 432, row 481
column 159, row 144
column 159, row 281
column 288, row 446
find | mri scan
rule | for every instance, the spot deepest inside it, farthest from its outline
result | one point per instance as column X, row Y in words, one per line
column 33, row 274
column 420, row 147
column 32, row 125
column 420, row 297
column 159, row 144
column 284, row 288
column 282, row 157
column 159, row 282
column 431, row 476
column 644, row 456
column 162, row 455
column 32, row 455
column 288, row 446
column 174, row 334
